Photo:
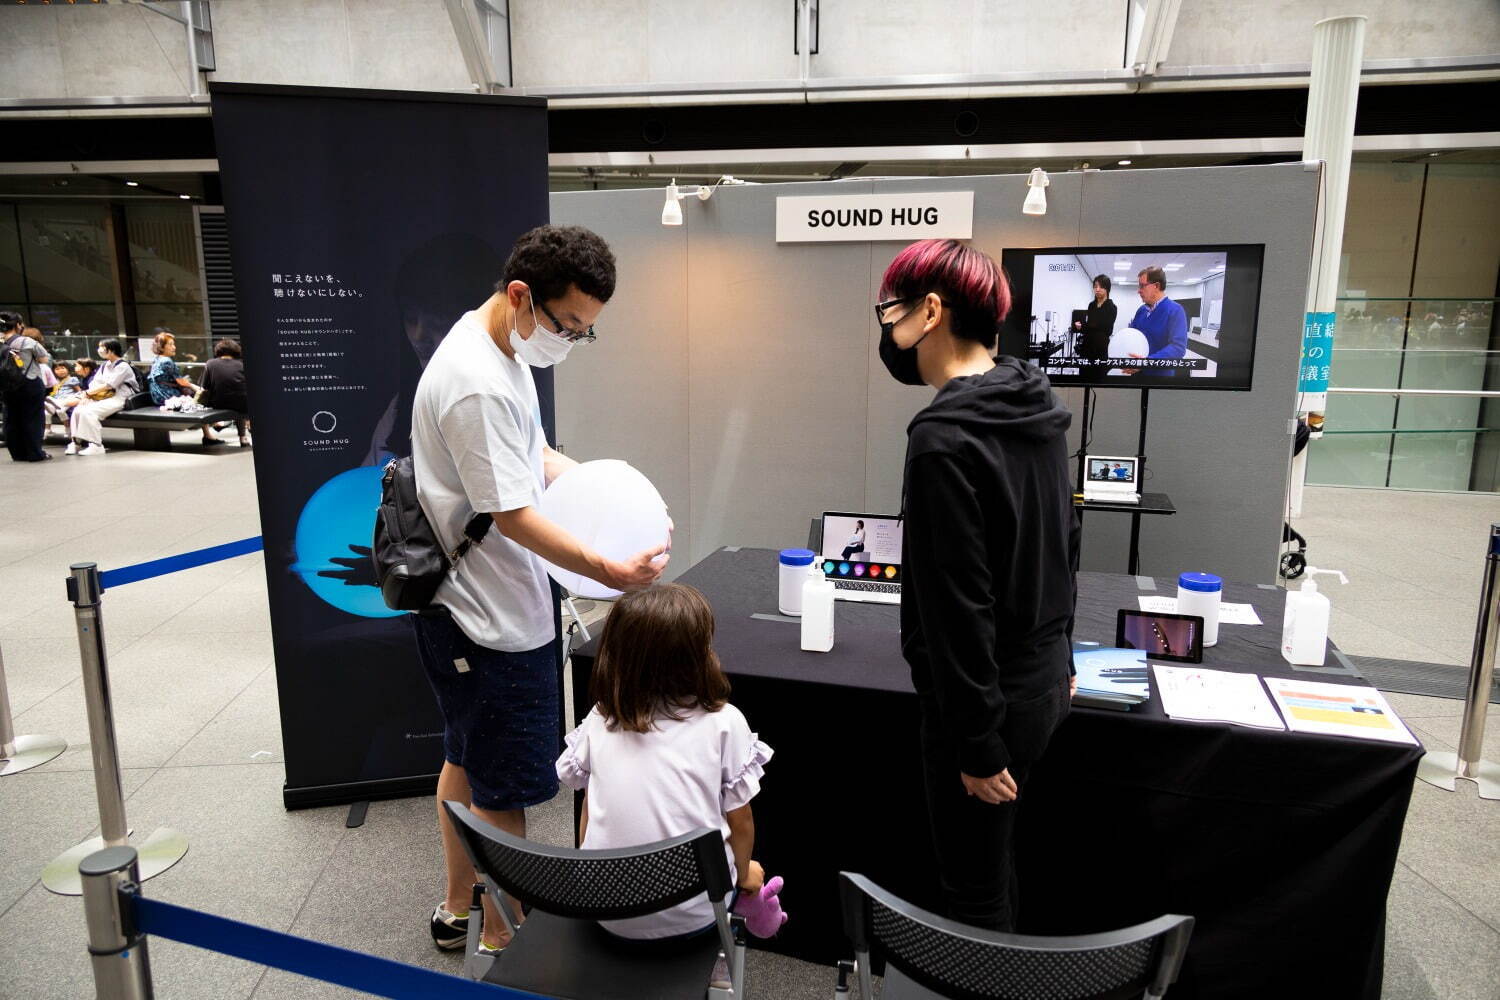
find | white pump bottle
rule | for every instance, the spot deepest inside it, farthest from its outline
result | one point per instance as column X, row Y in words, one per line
column 1304, row 627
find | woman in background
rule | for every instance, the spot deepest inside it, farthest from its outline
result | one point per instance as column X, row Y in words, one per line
column 25, row 419
column 112, row 385
column 224, row 386
column 1095, row 330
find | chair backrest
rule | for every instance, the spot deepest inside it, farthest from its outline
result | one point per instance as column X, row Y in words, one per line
column 597, row 885
column 965, row 962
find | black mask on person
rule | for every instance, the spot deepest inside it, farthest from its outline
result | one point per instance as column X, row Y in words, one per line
column 900, row 362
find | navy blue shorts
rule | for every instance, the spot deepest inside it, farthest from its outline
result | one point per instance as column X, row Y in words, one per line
column 501, row 720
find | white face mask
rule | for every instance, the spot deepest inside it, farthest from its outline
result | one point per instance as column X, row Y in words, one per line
column 544, row 349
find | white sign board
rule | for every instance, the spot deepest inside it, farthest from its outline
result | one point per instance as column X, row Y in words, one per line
column 861, row 217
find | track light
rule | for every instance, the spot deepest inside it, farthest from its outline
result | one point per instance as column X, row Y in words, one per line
column 1036, row 197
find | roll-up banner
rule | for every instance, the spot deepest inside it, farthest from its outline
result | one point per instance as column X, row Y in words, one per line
column 362, row 224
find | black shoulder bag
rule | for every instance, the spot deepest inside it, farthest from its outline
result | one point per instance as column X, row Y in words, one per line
column 410, row 563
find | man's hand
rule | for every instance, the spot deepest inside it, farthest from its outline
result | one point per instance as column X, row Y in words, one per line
column 1072, row 686
column 995, row 789
column 1132, row 371
column 752, row 878
column 639, row 571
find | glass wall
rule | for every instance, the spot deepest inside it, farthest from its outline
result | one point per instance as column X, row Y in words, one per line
column 62, row 267
column 164, row 270
column 1417, row 311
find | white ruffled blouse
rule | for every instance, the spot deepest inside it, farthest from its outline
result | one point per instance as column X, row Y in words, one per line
column 643, row 787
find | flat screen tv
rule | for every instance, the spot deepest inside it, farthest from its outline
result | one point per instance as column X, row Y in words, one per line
column 1200, row 333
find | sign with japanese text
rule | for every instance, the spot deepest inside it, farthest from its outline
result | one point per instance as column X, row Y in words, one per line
column 380, row 220
column 1317, row 360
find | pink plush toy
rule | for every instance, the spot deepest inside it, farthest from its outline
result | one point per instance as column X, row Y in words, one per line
column 762, row 910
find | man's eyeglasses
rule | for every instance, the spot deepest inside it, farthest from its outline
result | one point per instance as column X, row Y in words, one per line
column 570, row 335
column 881, row 307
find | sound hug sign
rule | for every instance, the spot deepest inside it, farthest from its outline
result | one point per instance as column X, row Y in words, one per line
column 858, row 218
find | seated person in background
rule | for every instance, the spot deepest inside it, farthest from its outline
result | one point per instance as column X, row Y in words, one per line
column 663, row 752
column 224, row 386
column 83, row 370
column 165, row 381
column 856, row 540
column 68, row 387
column 109, row 389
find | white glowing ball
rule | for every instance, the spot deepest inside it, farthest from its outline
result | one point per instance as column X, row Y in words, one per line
column 609, row 507
column 1127, row 342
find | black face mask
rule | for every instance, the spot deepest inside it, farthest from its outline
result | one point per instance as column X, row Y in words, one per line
column 900, row 362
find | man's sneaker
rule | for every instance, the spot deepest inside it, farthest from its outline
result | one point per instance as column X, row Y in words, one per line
column 449, row 931
column 92, row 449
column 71, row 449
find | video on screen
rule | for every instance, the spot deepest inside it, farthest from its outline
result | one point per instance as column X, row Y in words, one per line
column 1103, row 470
column 1167, row 637
column 1163, row 317
column 860, row 547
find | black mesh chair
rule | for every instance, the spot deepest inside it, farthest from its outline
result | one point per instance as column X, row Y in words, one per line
column 560, row 950
column 928, row 956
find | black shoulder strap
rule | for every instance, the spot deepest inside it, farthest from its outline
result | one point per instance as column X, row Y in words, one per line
column 479, row 525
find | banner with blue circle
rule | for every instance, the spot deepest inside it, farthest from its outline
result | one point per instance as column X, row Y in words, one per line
column 382, row 219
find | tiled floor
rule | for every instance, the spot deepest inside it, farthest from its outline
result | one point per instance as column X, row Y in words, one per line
column 195, row 695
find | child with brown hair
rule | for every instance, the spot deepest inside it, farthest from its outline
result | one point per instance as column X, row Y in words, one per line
column 663, row 752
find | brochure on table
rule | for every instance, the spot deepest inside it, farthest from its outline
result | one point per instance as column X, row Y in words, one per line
column 1337, row 710
column 1215, row 696
column 1119, row 675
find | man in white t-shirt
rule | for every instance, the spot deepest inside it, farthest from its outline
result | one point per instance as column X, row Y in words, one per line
column 490, row 647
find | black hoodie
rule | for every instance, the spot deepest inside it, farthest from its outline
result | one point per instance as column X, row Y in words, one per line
column 989, row 552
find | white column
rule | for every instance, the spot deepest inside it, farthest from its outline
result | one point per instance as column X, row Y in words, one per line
column 1332, row 98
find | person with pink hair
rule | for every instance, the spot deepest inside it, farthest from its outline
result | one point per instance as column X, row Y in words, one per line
column 990, row 548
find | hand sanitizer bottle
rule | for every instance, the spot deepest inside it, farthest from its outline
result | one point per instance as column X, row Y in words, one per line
column 1304, row 627
column 817, row 611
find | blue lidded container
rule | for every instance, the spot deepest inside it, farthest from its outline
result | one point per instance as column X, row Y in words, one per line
column 794, row 571
column 1199, row 594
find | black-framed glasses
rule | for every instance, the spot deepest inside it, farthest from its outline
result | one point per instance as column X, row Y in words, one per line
column 881, row 307
column 571, row 336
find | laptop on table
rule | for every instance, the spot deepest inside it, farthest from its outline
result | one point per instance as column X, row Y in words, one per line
column 1112, row 479
column 861, row 554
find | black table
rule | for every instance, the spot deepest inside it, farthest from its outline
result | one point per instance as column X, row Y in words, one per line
column 1150, row 503
column 1281, row 845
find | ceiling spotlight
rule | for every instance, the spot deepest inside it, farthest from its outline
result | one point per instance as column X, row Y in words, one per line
column 1124, row 163
column 185, row 197
column 132, row 184
column 1036, row 197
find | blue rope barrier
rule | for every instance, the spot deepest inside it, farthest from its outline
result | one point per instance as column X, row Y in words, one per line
column 173, row 564
column 382, row 977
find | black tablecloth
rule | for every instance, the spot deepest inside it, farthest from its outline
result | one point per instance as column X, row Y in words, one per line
column 1282, row 845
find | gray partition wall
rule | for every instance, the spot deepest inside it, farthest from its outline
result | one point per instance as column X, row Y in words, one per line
column 741, row 375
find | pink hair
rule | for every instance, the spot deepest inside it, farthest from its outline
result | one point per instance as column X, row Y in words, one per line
column 967, row 280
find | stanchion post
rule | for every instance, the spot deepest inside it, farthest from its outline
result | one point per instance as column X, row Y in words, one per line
column 1441, row 768
column 165, row 847
column 122, row 968
column 84, row 591
column 21, row 753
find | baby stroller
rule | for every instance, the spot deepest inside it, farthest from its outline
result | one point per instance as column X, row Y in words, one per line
column 1294, row 564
